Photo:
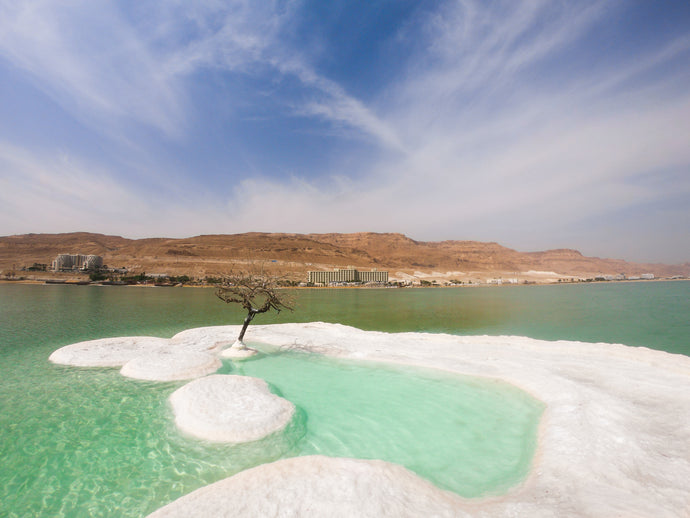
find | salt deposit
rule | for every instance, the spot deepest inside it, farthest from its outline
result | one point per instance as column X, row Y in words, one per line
column 206, row 339
column 168, row 365
column 614, row 439
column 319, row 486
column 225, row 408
column 238, row 351
column 106, row 352
column 189, row 354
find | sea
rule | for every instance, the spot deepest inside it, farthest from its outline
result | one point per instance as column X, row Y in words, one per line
column 88, row 442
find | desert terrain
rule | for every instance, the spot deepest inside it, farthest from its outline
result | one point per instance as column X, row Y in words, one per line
column 292, row 255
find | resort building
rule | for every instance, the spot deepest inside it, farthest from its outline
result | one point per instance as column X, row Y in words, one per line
column 346, row 276
column 77, row 262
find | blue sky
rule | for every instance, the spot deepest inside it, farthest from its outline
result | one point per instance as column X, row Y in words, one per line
column 536, row 124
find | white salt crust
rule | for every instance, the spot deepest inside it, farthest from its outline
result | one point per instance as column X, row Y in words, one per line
column 115, row 352
column 170, row 365
column 190, row 354
column 224, row 408
column 614, row 439
column 318, row 486
column 107, row 352
column 238, row 351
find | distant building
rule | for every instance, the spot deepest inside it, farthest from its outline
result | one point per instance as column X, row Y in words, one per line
column 93, row 262
column 647, row 276
column 77, row 262
column 347, row 275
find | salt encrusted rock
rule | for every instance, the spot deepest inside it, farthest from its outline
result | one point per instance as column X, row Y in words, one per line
column 319, row 486
column 224, row 408
column 170, row 364
column 107, row 352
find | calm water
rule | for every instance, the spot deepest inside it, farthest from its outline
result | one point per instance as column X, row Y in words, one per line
column 79, row 442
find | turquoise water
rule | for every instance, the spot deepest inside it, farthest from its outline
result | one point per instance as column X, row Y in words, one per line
column 471, row 436
column 77, row 442
column 649, row 314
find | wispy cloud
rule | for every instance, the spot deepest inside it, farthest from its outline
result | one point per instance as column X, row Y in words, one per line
column 55, row 190
column 111, row 70
column 507, row 121
column 58, row 192
column 333, row 104
column 90, row 60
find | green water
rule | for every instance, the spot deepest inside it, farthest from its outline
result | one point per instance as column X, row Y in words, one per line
column 88, row 442
column 649, row 314
column 470, row 436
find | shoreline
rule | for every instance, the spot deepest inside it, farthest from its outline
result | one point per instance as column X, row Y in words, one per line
column 60, row 282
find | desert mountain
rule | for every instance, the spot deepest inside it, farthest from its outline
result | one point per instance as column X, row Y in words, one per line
column 295, row 254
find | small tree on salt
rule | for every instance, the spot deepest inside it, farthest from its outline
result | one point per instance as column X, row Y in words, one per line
column 256, row 293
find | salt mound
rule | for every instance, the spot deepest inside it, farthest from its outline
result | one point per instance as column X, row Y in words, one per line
column 318, row 486
column 106, row 352
column 170, row 365
column 239, row 351
column 225, row 408
column 115, row 352
column 189, row 354
column 206, row 339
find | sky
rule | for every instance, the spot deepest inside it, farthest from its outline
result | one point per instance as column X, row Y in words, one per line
column 534, row 124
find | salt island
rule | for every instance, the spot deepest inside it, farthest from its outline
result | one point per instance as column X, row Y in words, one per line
column 614, row 439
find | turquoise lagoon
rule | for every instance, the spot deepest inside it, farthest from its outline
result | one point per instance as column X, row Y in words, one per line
column 88, row 442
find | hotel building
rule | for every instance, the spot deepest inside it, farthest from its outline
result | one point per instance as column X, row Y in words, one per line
column 347, row 275
column 76, row 262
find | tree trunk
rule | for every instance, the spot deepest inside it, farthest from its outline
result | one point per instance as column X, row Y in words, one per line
column 250, row 315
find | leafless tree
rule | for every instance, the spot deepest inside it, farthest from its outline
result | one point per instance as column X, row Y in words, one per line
column 256, row 292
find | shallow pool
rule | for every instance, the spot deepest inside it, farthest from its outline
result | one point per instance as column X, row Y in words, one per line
column 469, row 435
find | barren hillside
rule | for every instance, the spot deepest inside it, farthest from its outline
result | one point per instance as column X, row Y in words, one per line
column 295, row 254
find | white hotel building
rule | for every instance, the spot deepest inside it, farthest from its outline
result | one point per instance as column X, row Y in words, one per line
column 347, row 275
column 77, row 262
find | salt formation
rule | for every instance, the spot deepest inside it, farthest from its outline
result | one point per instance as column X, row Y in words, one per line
column 319, row 486
column 170, row 365
column 225, row 408
column 207, row 339
column 106, row 352
column 614, row 438
column 187, row 355
column 238, row 351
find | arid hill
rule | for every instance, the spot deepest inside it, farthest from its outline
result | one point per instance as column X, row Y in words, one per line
column 295, row 254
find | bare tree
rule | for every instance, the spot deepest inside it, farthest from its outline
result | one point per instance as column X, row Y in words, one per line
column 256, row 293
